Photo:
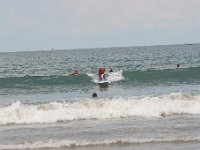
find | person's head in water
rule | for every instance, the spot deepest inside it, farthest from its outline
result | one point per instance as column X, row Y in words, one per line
column 74, row 73
column 94, row 94
column 111, row 70
column 178, row 65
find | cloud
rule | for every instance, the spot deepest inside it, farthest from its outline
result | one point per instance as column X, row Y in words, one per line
column 98, row 15
column 111, row 22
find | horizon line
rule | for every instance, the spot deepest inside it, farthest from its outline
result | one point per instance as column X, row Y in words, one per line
column 61, row 49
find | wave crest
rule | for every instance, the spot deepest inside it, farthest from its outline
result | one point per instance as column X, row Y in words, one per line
column 175, row 103
column 85, row 143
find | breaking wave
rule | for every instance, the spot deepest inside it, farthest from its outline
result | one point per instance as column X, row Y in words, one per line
column 86, row 143
column 175, row 103
column 111, row 77
column 181, row 75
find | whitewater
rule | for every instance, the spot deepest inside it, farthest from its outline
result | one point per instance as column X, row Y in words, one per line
column 176, row 103
column 148, row 104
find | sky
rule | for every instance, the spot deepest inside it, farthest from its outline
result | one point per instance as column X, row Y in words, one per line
column 28, row 25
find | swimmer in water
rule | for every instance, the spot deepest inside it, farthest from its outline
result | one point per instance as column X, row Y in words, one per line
column 74, row 73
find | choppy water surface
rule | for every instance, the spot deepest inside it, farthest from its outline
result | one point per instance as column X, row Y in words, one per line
column 149, row 103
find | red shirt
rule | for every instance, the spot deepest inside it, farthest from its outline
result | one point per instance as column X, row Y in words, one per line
column 102, row 70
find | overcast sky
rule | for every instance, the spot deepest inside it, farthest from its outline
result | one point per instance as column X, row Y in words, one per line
column 68, row 24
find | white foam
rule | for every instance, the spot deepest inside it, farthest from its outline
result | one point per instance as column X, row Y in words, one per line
column 84, row 143
column 111, row 77
column 93, row 76
column 115, row 76
column 175, row 103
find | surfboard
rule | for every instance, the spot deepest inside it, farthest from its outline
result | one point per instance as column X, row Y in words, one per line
column 103, row 84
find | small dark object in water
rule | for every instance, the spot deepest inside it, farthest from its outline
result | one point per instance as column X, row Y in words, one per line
column 74, row 73
column 94, row 94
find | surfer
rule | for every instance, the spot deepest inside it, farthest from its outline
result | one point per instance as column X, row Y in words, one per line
column 74, row 73
column 178, row 65
column 111, row 70
column 101, row 74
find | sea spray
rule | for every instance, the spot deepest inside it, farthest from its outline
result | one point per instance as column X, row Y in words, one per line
column 175, row 103
column 111, row 76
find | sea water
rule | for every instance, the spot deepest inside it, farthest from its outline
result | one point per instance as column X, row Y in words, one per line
column 150, row 104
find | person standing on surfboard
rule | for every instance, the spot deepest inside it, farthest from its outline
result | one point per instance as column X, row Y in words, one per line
column 101, row 74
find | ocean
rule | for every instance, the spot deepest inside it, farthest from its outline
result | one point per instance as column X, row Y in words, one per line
column 149, row 104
